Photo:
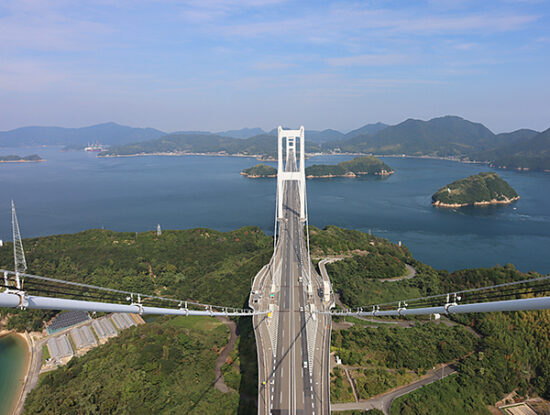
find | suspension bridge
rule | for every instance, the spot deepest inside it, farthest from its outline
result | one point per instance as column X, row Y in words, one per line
column 290, row 303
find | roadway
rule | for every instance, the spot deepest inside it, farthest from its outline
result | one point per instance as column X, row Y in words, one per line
column 293, row 342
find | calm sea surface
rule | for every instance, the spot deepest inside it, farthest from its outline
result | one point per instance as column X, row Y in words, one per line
column 74, row 191
column 12, row 358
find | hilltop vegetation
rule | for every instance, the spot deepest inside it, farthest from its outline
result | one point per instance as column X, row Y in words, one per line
column 480, row 189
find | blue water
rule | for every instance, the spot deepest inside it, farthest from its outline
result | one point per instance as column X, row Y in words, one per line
column 74, row 191
column 12, row 359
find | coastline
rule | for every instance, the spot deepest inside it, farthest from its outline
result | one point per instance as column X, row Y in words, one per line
column 480, row 204
column 351, row 175
column 255, row 176
column 22, row 161
column 22, row 376
column 256, row 156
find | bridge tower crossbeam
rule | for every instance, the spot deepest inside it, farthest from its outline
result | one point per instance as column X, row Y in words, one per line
column 290, row 137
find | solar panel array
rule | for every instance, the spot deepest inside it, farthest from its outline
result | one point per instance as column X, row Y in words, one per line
column 104, row 328
column 123, row 321
column 68, row 319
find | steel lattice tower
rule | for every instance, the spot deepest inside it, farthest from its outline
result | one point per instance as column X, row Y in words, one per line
column 18, row 252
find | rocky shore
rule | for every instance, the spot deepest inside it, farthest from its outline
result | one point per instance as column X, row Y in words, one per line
column 349, row 174
column 505, row 201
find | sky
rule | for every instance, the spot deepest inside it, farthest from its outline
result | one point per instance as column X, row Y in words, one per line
column 226, row 64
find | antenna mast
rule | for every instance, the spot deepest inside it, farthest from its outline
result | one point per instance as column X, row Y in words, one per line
column 18, row 252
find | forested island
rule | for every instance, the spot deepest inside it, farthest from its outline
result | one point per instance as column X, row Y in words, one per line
column 18, row 159
column 260, row 171
column 478, row 190
column 359, row 166
column 494, row 353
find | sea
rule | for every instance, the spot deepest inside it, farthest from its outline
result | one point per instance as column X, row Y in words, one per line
column 12, row 359
column 73, row 191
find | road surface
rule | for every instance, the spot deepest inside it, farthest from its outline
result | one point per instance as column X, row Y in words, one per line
column 293, row 341
column 384, row 401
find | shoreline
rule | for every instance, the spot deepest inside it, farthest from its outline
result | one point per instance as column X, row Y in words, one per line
column 23, row 374
column 22, row 161
column 478, row 204
column 179, row 154
column 349, row 175
column 261, row 157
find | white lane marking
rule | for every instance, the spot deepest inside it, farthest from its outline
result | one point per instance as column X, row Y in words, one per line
column 281, row 400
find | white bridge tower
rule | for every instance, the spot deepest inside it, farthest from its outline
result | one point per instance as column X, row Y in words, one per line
column 283, row 176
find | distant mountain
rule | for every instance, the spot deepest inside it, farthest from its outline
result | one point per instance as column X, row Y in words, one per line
column 524, row 154
column 192, row 132
column 317, row 136
column 242, row 133
column 323, row 136
column 264, row 145
column 107, row 133
column 523, row 134
column 368, row 129
column 443, row 136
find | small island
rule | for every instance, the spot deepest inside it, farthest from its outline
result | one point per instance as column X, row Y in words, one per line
column 356, row 167
column 482, row 189
column 260, row 171
column 18, row 159
column 359, row 166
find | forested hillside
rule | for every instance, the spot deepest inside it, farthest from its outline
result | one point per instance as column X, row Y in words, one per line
column 265, row 145
column 164, row 367
column 531, row 152
column 200, row 264
column 167, row 366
